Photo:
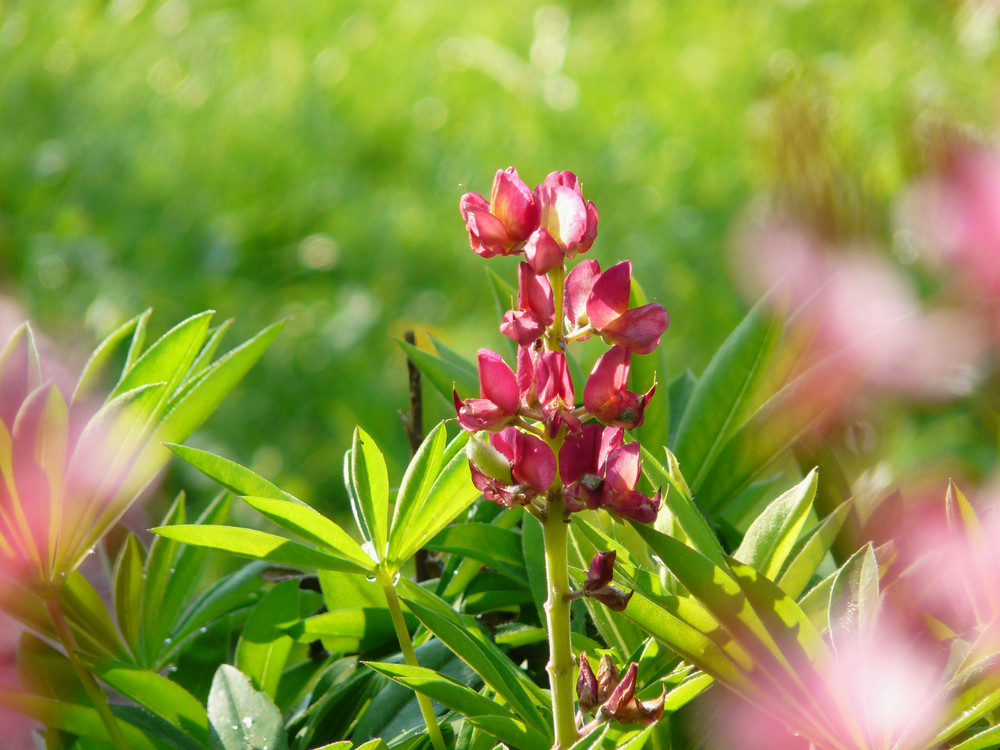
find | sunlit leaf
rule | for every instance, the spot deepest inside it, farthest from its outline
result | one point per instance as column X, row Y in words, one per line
column 242, row 718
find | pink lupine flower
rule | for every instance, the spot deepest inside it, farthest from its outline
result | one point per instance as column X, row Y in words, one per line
column 568, row 225
column 499, row 397
column 555, row 392
column 599, row 471
column 578, row 286
column 639, row 328
column 536, row 309
column 620, row 478
column 501, row 226
column 532, row 469
column 605, row 395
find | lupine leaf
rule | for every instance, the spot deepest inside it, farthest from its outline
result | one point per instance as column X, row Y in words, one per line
column 493, row 546
column 258, row 545
column 357, row 629
column 450, row 495
column 808, row 553
column 444, row 690
column 725, row 392
column 771, row 537
column 264, row 647
column 593, row 739
column 158, row 571
column 985, row 740
column 678, row 396
column 128, row 593
column 104, row 351
column 967, row 534
column 855, row 598
column 511, row 731
column 70, row 717
column 683, row 509
column 45, row 671
column 970, row 695
column 163, row 697
column 218, row 599
column 310, row 524
column 85, row 610
column 242, row 718
column 469, row 644
column 235, row 478
column 444, row 374
column 370, row 479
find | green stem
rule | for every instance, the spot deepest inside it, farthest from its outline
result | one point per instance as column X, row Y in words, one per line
column 553, row 336
column 560, row 668
column 406, row 645
column 97, row 696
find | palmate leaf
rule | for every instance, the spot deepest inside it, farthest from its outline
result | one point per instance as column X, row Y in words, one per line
column 235, row 478
column 499, row 548
column 725, row 393
column 488, row 661
column 264, row 647
column 128, row 585
column 242, row 718
column 855, row 598
column 350, row 630
column 807, row 554
column 104, row 352
column 771, row 537
column 259, row 545
column 370, row 499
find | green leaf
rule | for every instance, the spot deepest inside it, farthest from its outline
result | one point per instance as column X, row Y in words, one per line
column 470, row 645
column 158, row 694
column 158, row 571
column 970, row 695
column 217, row 600
column 678, row 396
column 855, row 598
column 444, row 690
column 511, row 731
column 193, row 407
column 725, row 392
column 128, row 593
column 168, row 360
column 808, row 553
column 533, row 550
column 100, row 356
column 967, row 534
column 370, row 479
column 451, row 494
column 498, row 548
column 353, row 630
column 444, row 374
column 242, row 718
column 70, row 717
column 264, row 647
column 47, row 672
column 300, row 519
column 683, row 509
column 989, row 738
column 258, row 545
column 232, row 476
column 86, row 611
column 771, row 537
column 420, row 475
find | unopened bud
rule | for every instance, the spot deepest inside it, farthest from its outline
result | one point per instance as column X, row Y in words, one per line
column 489, row 460
column 607, row 678
column 586, row 685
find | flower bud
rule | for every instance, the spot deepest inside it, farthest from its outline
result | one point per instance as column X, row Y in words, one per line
column 586, row 685
column 489, row 460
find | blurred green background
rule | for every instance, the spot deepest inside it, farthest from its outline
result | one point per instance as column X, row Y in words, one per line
column 305, row 158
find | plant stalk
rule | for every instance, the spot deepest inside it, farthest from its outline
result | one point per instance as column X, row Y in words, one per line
column 553, row 337
column 97, row 696
column 560, row 666
column 406, row 645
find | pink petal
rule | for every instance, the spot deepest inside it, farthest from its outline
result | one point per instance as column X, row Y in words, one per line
column 565, row 179
column 534, row 293
column 497, row 381
column 607, row 379
column 612, row 438
column 553, row 379
column 564, row 214
column 512, row 202
column 476, row 414
column 601, row 571
column 534, row 463
column 634, row 505
column 640, row 328
column 524, row 327
column 542, row 251
column 591, row 234
column 608, row 299
column 579, row 454
column 579, row 284
column 526, row 388
column 622, row 468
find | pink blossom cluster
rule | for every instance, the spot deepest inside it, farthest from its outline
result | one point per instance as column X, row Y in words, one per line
column 542, row 444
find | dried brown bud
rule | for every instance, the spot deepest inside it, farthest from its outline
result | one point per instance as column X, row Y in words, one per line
column 607, row 678
column 601, row 571
column 586, row 685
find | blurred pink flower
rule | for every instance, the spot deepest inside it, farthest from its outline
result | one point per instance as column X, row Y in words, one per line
column 858, row 321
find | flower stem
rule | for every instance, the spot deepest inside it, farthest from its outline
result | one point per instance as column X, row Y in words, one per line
column 560, row 666
column 97, row 696
column 406, row 645
column 553, row 337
